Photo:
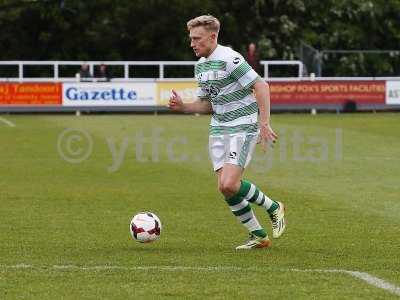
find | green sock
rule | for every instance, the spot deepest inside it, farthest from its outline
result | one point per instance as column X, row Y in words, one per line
column 242, row 210
column 260, row 233
column 254, row 195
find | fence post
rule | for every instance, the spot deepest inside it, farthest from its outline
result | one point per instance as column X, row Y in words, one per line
column 301, row 69
column 161, row 71
column 56, row 70
column 21, row 71
column 126, row 71
column 91, row 69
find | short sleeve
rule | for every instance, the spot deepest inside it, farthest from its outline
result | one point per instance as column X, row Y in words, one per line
column 241, row 71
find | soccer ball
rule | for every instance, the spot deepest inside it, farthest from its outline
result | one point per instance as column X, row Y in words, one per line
column 145, row 227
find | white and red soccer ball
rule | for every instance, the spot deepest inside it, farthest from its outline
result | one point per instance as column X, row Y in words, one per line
column 145, row 227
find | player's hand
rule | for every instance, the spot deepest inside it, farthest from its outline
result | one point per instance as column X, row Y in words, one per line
column 267, row 136
column 175, row 102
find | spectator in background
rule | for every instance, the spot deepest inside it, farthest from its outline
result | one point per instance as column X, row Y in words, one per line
column 103, row 73
column 253, row 58
column 84, row 72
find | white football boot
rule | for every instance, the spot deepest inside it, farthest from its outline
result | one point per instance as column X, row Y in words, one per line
column 278, row 221
column 255, row 242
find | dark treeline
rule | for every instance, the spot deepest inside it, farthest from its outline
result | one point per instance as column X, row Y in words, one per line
column 156, row 30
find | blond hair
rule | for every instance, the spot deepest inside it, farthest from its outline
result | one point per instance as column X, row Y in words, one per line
column 209, row 22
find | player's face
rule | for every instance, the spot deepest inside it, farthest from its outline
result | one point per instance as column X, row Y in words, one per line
column 202, row 41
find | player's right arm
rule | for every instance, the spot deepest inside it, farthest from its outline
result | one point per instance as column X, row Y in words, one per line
column 198, row 106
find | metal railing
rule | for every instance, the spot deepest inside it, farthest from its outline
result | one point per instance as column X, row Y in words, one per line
column 57, row 64
column 315, row 59
column 268, row 63
column 127, row 67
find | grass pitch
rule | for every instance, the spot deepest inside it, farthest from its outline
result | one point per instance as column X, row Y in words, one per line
column 70, row 185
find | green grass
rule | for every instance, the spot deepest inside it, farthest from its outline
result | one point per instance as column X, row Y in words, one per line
column 340, row 186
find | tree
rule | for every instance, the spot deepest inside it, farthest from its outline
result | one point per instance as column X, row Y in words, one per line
column 156, row 30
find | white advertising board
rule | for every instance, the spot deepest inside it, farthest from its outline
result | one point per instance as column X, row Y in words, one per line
column 392, row 92
column 108, row 94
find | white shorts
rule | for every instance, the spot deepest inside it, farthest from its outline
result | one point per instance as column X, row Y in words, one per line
column 234, row 149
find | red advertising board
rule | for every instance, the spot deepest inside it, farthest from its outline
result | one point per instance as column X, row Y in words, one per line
column 328, row 92
column 30, row 93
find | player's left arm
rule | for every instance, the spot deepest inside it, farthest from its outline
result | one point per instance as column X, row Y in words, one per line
column 262, row 94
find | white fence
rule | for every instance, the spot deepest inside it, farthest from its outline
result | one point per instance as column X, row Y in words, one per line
column 55, row 65
column 127, row 67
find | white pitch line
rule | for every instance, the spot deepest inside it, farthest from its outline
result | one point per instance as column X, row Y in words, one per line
column 375, row 281
column 7, row 122
column 364, row 276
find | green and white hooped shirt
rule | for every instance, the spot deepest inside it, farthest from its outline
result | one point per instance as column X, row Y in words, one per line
column 226, row 79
